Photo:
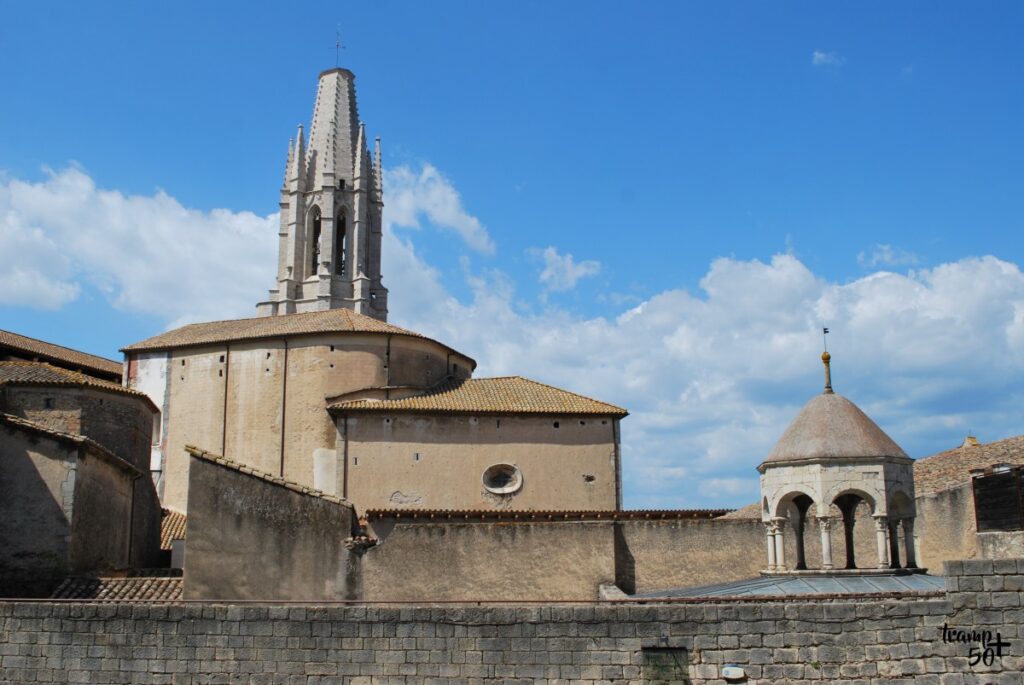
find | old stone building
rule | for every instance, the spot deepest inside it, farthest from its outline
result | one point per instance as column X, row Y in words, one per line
column 320, row 390
column 831, row 461
column 75, row 492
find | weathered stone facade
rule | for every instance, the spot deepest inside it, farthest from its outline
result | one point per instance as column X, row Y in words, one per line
column 855, row 639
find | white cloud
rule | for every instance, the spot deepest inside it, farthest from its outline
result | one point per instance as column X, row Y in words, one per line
column 411, row 194
column 886, row 255
column 820, row 58
column 711, row 377
column 562, row 272
column 149, row 254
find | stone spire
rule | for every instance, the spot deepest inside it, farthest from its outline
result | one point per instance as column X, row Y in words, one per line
column 330, row 230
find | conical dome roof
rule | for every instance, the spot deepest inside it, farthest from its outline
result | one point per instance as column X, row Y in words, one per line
column 831, row 426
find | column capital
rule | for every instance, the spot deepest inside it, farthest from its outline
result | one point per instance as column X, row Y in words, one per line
column 881, row 523
column 825, row 522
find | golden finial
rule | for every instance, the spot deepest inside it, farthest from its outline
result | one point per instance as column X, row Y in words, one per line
column 825, row 359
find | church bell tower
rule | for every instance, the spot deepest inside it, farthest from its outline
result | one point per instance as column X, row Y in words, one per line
column 331, row 202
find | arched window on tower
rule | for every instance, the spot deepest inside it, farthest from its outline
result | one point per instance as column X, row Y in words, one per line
column 339, row 246
column 315, row 241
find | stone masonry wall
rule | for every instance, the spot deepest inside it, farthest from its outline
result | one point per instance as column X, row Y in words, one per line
column 852, row 639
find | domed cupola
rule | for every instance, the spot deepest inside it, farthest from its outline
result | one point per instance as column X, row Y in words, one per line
column 835, row 459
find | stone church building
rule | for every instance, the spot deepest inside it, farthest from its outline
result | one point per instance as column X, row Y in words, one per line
column 318, row 452
column 319, row 389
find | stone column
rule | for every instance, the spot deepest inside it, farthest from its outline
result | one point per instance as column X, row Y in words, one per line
column 882, row 539
column 825, row 523
column 908, row 537
column 770, row 529
column 780, row 547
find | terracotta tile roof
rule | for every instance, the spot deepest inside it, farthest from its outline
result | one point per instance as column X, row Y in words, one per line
column 78, row 440
column 270, row 478
column 330, row 321
column 63, row 355
column 952, row 468
column 172, row 527
column 751, row 511
column 504, row 395
column 142, row 588
column 526, row 515
column 39, row 373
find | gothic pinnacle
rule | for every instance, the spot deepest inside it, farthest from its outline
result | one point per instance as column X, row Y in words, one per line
column 378, row 170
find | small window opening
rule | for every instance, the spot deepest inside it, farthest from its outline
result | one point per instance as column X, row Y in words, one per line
column 220, row 372
column 416, row 456
column 555, row 424
column 183, row 362
column 583, row 423
column 48, row 403
column 222, row 359
column 588, row 478
column 355, row 461
column 268, row 355
column 604, row 423
column 332, row 348
column 332, row 366
column 498, row 423
column 387, row 420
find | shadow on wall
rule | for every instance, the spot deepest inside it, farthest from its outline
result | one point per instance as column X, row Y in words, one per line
column 34, row 529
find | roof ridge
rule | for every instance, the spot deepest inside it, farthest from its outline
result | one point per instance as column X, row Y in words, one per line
column 228, row 463
column 80, row 440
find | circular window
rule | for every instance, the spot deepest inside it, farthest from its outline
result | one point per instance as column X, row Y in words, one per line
column 502, row 479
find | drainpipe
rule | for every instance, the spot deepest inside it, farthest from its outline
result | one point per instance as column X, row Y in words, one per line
column 224, row 425
column 618, row 465
column 131, row 521
column 344, row 475
column 284, row 402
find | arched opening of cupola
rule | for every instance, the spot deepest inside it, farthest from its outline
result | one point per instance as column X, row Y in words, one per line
column 901, row 531
column 339, row 244
column 859, row 540
column 314, row 242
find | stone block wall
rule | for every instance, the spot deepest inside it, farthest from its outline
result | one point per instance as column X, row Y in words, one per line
column 858, row 639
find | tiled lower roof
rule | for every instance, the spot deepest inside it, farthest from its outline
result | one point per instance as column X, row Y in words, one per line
column 64, row 355
column 952, row 468
column 503, row 395
column 751, row 511
column 528, row 515
column 41, row 373
column 143, row 588
column 172, row 527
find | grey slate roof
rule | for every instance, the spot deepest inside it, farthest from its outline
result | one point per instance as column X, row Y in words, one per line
column 776, row 586
column 831, row 426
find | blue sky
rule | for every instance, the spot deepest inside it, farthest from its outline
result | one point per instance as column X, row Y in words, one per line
column 678, row 196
